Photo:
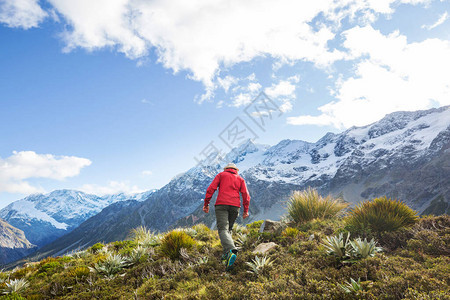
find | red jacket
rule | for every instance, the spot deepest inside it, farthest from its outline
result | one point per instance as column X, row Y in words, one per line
column 229, row 184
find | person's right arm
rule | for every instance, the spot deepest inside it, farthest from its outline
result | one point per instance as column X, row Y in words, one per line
column 211, row 189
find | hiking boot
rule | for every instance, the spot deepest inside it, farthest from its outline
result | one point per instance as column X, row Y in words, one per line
column 231, row 258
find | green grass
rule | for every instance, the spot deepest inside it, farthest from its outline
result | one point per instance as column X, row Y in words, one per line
column 307, row 205
column 414, row 265
column 174, row 241
column 380, row 215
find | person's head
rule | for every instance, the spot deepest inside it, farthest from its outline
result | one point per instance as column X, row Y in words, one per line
column 231, row 166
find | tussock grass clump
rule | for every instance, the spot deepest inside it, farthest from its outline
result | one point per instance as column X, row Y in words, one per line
column 79, row 272
column 380, row 215
column 141, row 234
column 307, row 205
column 173, row 241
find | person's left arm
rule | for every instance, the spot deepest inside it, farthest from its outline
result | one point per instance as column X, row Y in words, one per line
column 245, row 198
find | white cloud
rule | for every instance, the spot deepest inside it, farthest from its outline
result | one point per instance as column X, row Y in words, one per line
column 21, row 13
column 147, row 172
column 391, row 75
column 145, row 101
column 282, row 89
column 204, row 36
column 113, row 187
column 284, row 92
column 242, row 99
column 23, row 165
column 440, row 21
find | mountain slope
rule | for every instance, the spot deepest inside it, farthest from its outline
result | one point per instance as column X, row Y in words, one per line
column 44, row 218
column 13, row 243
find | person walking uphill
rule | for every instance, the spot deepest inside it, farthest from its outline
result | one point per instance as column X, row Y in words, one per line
column 227, row 206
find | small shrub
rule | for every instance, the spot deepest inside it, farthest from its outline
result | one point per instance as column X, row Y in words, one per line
column 308, row 205
column 257, row 265
column 290, row 232
column 12, row 296
column 174, row 241
column 381, row 214
column 255, row 225
column 96, row 248
column 50, row 267
column 21, row 272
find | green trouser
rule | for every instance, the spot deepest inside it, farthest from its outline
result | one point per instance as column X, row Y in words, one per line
column 225, row 216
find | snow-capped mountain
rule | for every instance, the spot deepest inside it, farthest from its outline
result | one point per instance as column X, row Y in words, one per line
column 406, row 156
column 44, row 218
column 13, row 243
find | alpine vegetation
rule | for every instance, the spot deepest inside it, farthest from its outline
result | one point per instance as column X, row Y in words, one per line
column 363, row 249
column 352, row 287
column 110, row 266
column 174, row 241
column 141, row 234
column 15, row 286
column 309, row 262
column 307, row 205
column 258, row 264
column 339, row 246
column 381, row 214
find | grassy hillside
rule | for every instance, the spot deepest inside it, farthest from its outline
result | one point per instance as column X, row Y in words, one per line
column 185, row 264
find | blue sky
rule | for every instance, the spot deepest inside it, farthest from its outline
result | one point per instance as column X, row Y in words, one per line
column 121, row 95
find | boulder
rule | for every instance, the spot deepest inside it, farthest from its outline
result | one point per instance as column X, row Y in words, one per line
column 271, row 226
column 264, row 247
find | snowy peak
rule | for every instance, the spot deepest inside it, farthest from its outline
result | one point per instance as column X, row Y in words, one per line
column 44, row 217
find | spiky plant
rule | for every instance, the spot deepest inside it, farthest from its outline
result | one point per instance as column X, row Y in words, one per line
column 242, row 241
column 258, row 264
column 79, row 254
column 138, row 254
column 381, row 214
column 15, row 286
column 363, row 249
column 141, row 234
column 238, row 228
column 173, row 242
column 202, row 260
column 308, row 205
column 338, row 246
column 109, row 267
column 352, row 287
column 152, row 241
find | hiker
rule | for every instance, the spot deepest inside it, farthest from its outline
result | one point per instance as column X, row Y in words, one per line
column 227, row 206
